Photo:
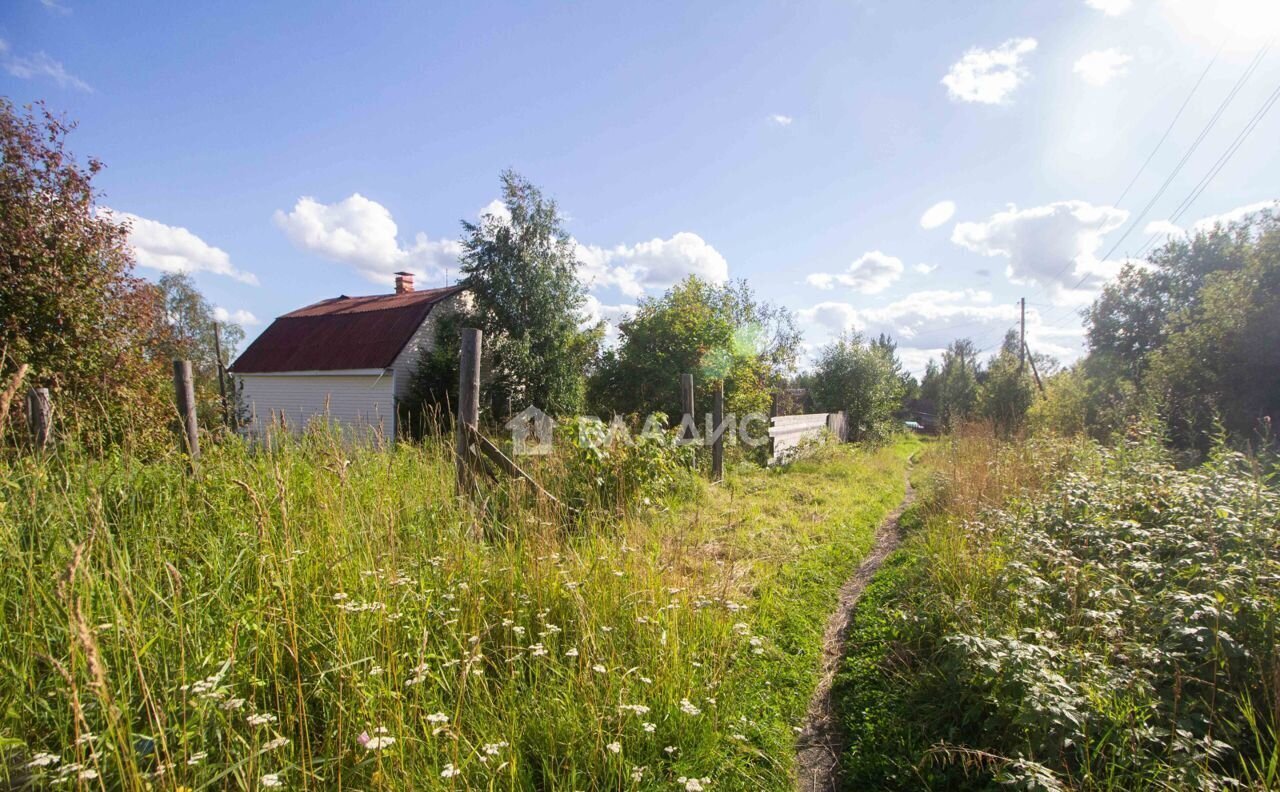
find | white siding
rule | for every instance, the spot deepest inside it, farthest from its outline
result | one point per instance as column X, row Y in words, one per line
column 360, row 401
column 423, row 338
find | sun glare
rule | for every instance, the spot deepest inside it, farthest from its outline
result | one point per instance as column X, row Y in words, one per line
column 1233, row 23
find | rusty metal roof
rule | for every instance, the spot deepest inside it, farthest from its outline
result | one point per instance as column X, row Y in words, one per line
column 341, row 333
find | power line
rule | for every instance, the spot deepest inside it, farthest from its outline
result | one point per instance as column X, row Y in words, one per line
column 1167, row 131
column 1217, row 167
column 1169, row 128
column 1213, row 120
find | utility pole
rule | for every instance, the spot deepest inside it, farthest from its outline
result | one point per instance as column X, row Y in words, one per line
column 1022, row 335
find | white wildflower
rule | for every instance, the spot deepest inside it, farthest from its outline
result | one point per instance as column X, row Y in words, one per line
column 44, row 759
column 599, row 669
column 278, row 742
column 615, row 747
column 450, row 771
column 688, row 708
column 260, row 719
column 650, row 727
column 437, row 717
column 572, row 652
column 272, row 780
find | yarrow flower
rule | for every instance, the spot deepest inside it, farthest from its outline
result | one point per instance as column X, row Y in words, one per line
column 615, row 747
column 450, row 771
column 688, row 708
column 260, row 719
column 278, row 742
column 272, row 780
column 638, row 709
column 599, row 669
column 377, row 742
column 44, row 759
column 694, row 784
column 572, row 652
column 437, row 717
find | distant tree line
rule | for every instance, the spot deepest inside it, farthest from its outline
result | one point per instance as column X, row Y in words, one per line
column 1189, row 338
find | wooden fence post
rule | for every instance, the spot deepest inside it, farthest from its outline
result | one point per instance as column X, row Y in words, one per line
column 39, row 417
column 185, row 390
column 686, row 405
column 468, row 405
column 717, row 419
column 222, row 384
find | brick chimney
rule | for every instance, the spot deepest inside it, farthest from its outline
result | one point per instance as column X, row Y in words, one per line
column 404, row 282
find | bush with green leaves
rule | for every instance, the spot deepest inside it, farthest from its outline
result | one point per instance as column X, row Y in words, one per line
column 609, row 467
column 1115, row 631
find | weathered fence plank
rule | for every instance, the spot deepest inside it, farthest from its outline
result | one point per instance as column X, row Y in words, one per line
column 468, row 405
column 39, row 417
column 717, row 424
column 787, row 432
column 185, row 392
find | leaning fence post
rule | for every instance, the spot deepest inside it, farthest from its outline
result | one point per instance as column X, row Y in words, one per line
column 686, row 406
column 185, row 390
column 717, row 422
column 468, row 404
column 39, row 417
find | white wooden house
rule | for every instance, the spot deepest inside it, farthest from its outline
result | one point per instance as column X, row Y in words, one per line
column 349, row 359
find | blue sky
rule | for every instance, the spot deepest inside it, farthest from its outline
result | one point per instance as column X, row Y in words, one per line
column 285, row 153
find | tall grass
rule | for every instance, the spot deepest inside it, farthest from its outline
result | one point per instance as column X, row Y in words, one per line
column 326, row 616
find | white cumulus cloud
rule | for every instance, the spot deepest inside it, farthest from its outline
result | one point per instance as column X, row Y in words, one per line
column 937, row 214
column 1102, row 66
column 1110, row 7
column 175, row 249
column 361, row 233
column 872, row 273
column 239, row 316
column 1053, row 245
column 989, row 76
column 657, row 263
column 781, row 120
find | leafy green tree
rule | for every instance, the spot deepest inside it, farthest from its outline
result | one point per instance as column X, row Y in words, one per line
column 521, row 271
column 1194, row 334
column 191, row 337
column 70, row 306
column 1006, row 392
column 717, row 333
column 862, row 379
column 1131, row 318
column 952, row 387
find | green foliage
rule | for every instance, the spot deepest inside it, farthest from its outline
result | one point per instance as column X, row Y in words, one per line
column 522, row 273
column 716, row 333
column 70, row 306
column 1007, row 390
column 329, row 590
column 606, row 467
column 433, row 387
column 862, row 379
column 1194, row 333
column 952, row 387
column 191, row 337
column 1112, row 628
